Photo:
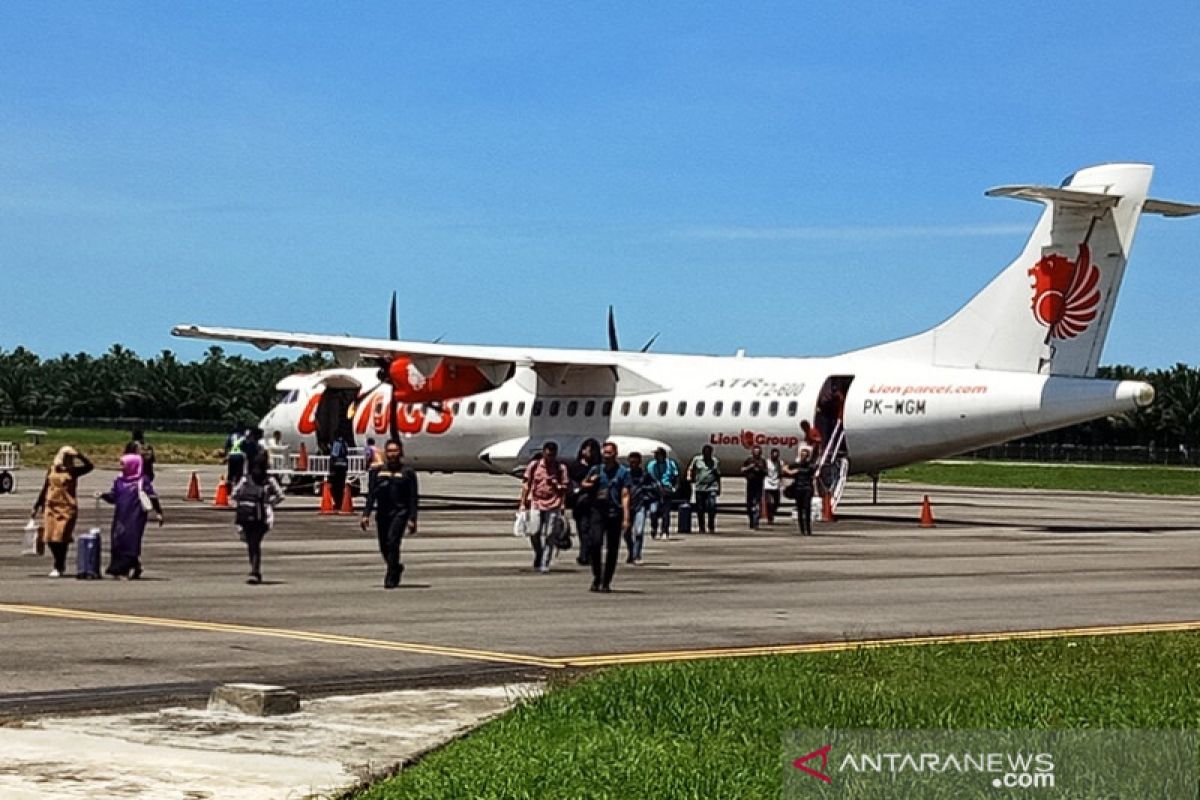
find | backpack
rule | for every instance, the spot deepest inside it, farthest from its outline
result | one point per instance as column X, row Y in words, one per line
column 251, row 504
column 338, row 452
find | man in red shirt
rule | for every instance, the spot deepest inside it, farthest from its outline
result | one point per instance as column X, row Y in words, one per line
column 812, row 438
column 544, row 492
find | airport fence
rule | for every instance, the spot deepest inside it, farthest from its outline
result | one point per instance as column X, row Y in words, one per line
column 1052, row 452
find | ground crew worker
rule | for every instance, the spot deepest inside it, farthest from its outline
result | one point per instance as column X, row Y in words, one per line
column 235, row 457
column 395, row 499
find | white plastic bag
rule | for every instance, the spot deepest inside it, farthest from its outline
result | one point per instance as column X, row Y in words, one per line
column 32, row 544
column 521, row 523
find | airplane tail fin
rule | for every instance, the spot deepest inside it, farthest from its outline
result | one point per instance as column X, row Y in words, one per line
column 1049, row 310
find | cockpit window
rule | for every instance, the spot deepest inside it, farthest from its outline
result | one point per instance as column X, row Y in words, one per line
column 287, row 396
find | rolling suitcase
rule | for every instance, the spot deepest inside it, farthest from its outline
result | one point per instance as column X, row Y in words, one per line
column 87, row 552
column 685, row 518
column 87, row 556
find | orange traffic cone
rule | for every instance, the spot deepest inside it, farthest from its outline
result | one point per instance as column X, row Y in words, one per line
column 302, row 460
column 827, row 509
column 193, row 492
column 222, row 498
column 347, row 500
column 926, row 513
column 326, row 499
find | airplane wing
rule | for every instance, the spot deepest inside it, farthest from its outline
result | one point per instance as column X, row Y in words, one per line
column 554, row 366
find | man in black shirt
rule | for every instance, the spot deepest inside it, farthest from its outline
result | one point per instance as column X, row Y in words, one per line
column 754, row 470
column 803, row 472
column 394, row 498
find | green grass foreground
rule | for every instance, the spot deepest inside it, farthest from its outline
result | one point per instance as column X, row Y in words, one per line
column 1066, row 477
column 105, row 446
column 712, row 729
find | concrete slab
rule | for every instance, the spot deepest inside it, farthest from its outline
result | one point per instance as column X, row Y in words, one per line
column 186, row 754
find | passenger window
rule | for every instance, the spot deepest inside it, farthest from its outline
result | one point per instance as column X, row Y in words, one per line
column 521, row 409
column 773, row 409
column 572, row 408
column 589, row 408
column 735, row 410
column 644, row 408
column 454, row 407
column 504, row 409
column 792, row 408
column 681, row 409
column 554, row 406
column 700, row 409
column 470, row 409
column 754, row 408
column 625, row 409
column 487, row 409
column 537, row 408
column 718, row 407
column 606, row 409
column 662, row 408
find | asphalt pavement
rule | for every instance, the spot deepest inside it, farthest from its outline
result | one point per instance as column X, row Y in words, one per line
column 472, row 610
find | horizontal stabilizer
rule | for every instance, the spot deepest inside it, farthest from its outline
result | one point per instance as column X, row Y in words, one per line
column 1069, row 197
column 1169, row 208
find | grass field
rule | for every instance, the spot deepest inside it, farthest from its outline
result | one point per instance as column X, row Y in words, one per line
column 713, row 728
column 1084, row 478
column 105, row 446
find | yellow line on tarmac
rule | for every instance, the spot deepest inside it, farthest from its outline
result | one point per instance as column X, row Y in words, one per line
column 619, row 659
column 284, row 633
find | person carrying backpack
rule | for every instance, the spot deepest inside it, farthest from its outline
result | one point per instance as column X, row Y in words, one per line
column 255, row 498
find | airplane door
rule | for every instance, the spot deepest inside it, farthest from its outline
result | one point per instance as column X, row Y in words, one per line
column 828, row 417
column 333, row 415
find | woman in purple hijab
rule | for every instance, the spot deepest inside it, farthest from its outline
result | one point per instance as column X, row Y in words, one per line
column 129, row 517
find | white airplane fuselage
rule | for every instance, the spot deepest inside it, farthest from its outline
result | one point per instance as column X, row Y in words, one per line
column 892, row 415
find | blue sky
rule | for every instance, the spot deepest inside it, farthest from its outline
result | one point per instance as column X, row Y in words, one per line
column 789, row 178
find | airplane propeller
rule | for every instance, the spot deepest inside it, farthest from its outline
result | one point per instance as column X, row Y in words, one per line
column 612, row 335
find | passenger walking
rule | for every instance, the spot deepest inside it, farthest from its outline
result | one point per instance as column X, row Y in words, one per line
column 812, row 438
column 705, row 477
column 395, row 499
column 255, row 498
column 608, row 484
column 579, row 500
column 138, row 440
column 665, row 472
column 544, row 492
column 644, row 492
column 339, row 468
column 754, row 470
column 133, row 498
column 803, row 472
column 60, row 504
column 771, row 486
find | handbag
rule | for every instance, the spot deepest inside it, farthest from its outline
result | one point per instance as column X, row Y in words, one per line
column 560, row 536
column 33, row 543
column 144, row 499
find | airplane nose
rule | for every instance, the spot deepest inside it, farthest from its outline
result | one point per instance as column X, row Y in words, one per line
column 1141, row 394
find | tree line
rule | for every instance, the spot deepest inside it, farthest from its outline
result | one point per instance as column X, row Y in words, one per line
column 217, row 388
column 223, row 389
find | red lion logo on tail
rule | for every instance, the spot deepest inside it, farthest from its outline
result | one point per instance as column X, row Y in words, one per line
column 1065, row 296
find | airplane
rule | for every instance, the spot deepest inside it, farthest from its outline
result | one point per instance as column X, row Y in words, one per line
column 1018, row 359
